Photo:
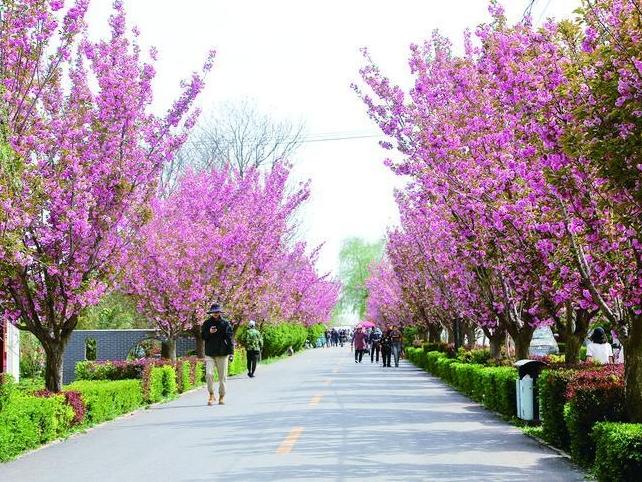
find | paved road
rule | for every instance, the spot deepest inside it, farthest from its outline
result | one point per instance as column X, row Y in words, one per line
column 317, row 416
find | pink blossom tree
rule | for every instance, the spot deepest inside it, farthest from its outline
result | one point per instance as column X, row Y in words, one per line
column 87, row 154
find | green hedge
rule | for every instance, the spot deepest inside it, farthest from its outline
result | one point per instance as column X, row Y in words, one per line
column 106, row 400
column 315, row 332
column 278, row 338
column 27, row 421
column 239, row 363
column 593, row 396
column 618, row 455
column 552, row 386
column 184, row 375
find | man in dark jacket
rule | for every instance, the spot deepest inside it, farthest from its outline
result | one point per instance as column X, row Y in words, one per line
column 375, row 343
column 218, row 334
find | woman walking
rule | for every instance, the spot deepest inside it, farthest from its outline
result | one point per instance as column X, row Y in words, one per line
column 359, row 343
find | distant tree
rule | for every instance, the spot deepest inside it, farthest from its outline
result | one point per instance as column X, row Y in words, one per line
column 239, row 135
column 355, row 258
column 115, row 311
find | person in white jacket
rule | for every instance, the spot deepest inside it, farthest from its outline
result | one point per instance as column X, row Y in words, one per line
column 599, row 349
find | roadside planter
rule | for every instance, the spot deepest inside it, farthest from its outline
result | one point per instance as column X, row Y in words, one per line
column 526, row 388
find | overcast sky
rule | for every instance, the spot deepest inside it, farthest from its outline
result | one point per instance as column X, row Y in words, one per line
column 296, row 59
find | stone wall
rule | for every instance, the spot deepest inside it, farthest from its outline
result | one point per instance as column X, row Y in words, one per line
column 111, row 345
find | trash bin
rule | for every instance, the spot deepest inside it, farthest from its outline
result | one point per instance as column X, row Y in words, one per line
column 526, row 388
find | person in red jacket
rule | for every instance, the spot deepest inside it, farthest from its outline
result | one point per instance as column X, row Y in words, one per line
column 359, row 342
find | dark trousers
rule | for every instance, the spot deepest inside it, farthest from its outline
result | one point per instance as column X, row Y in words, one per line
column 358, row 355
column 374, row 348
column 252, row 360
column 386, row 354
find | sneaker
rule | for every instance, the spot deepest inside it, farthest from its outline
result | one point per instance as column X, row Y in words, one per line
column 221, row 401
column 211, row 400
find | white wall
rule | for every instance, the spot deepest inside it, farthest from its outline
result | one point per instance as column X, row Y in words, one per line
column 13, row 351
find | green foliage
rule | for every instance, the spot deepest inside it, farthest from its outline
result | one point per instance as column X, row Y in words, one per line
column 184, row 375
column 32, row 356
column 239, row 363
column 106, row 399
column 278, row 338
column 153, row 384
column 199, row 373
column 552, row 386
column 115, row 310
column 618, row 451
column 590, row 404
column 27, row 421
column 315, row 332
column 170, row 388
column 479, row 355
column 411, row 335
column 355, row 258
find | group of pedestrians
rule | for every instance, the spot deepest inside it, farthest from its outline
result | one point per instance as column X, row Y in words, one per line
column 374, row 341
column 336, row 337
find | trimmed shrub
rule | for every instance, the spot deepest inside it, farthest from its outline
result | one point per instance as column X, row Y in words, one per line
column 27, row 421
column 198, row 373
column 552, row 386
column 479, row 356
column 431, row 358
column 499, row 389
column 184, row 375
column 106, row 400
column 315, row 332
column 115, row 369
column 170, row 388
column 278, row 338
column 152, row 384
column 618, row 456
column 73, row 399
column 239, row 363
column 593, row 396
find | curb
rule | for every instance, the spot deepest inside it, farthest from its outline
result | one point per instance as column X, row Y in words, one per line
column 544, row 443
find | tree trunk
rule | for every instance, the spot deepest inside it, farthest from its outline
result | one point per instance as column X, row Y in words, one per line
column 434, row 333
column 171, row 349
column 577, row 325
column 522, row 341
column 200, row 342
column 54, row 351
column 451, row 334
column 471, row 335
column 572, row 350
column 495, row 340
column 633, row 371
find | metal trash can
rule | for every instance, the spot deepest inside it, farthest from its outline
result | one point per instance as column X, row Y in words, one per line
column 526, row 388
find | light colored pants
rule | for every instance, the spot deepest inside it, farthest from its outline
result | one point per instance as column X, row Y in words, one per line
column 221, row 369
column 396, row 352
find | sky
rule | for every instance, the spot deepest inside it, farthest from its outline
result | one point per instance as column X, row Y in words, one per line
column 296, row 60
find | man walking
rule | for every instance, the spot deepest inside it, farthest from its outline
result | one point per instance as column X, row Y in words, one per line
column 217, row 333
column 253, row 346
column 375, row 343
column 386, row 347
column 396, row 338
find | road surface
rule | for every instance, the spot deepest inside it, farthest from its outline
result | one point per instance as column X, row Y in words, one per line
column 315, row 416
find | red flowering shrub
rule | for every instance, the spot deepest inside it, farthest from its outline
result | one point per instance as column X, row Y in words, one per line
column 593, row 396
column 72, row 398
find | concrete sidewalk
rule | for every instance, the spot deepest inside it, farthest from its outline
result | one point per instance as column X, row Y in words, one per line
column 317, row 416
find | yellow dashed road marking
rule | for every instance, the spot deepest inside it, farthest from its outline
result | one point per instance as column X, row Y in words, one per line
column 288, row 444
